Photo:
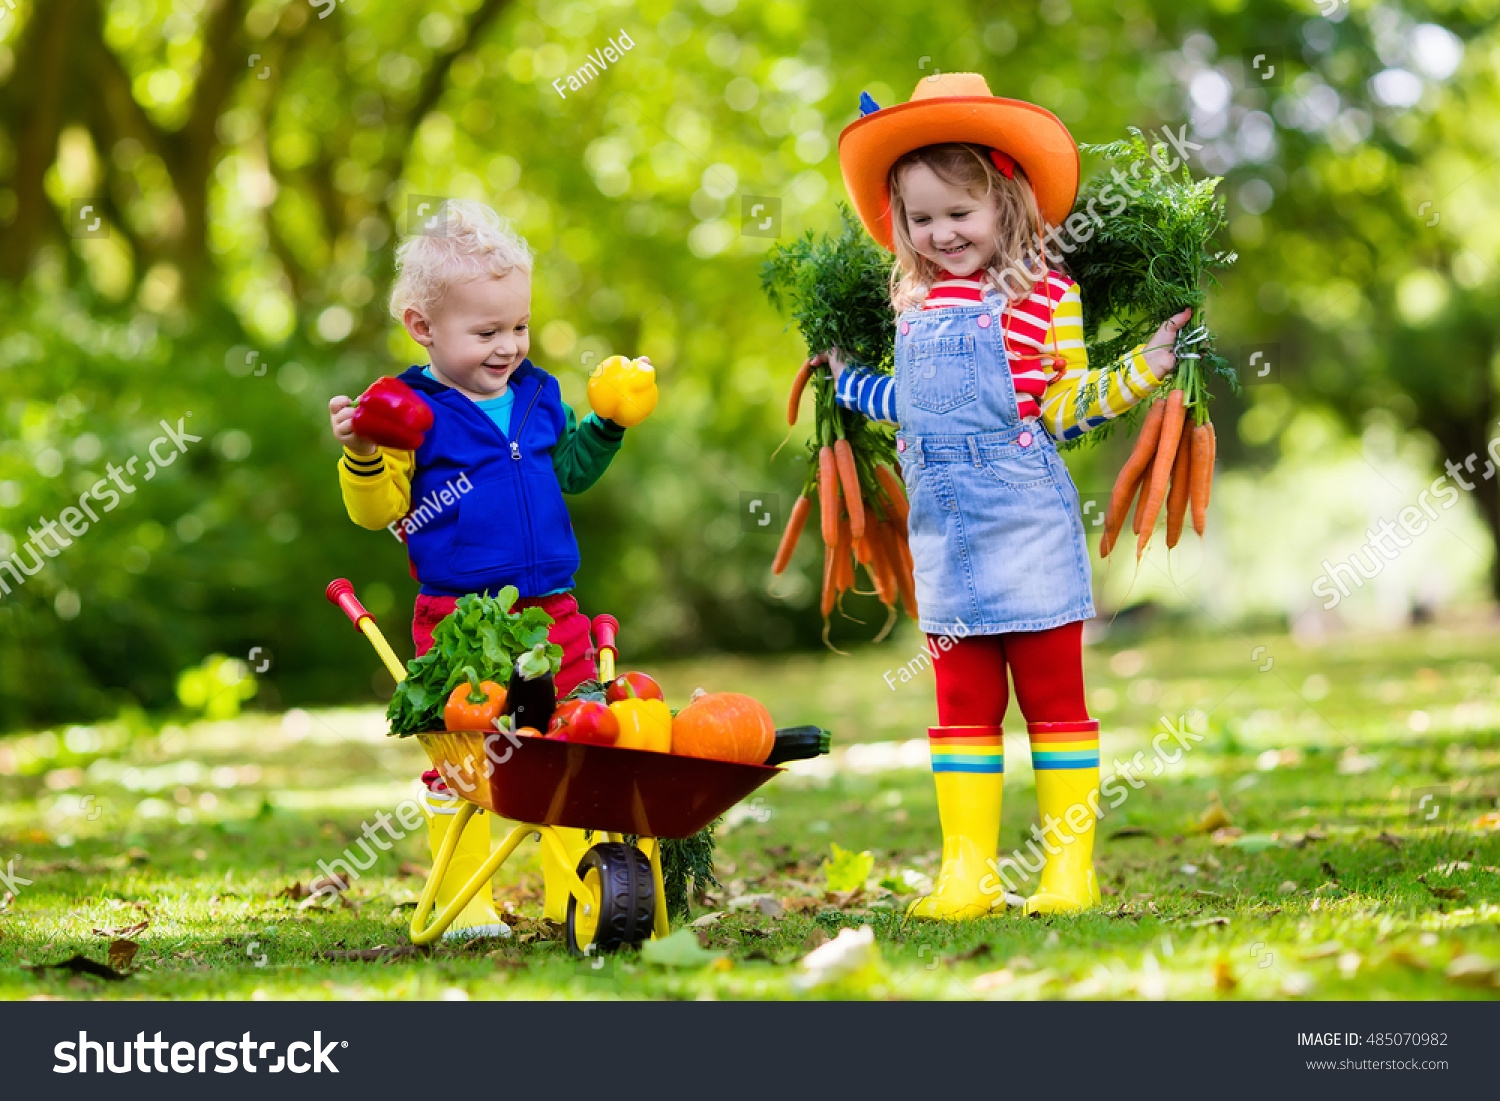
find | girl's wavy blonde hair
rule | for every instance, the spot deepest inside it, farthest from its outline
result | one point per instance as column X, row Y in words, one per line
column 469, row 240
column 1017, row 258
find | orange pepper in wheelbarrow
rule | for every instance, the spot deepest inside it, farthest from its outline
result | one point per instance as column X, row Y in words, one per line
column 473, row 705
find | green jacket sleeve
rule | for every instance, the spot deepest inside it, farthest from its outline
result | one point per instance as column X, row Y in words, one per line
column 584, row 452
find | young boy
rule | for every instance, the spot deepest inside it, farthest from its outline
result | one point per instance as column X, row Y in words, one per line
column 503, row 448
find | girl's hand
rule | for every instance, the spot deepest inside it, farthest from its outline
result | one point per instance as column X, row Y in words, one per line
column 1160, row 356
column 340, row 415
column 832, row 360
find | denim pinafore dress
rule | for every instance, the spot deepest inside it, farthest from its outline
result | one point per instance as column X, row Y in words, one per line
column 997, row 540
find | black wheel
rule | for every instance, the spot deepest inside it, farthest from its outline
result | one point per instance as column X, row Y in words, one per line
column 623, row 907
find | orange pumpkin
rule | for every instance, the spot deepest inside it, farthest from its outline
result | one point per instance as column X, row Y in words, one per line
column 724, row 726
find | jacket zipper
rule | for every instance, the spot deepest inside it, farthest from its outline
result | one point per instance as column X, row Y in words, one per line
column 515, row 445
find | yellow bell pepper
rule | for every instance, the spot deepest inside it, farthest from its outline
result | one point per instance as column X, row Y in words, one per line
column 623, row 390
column 644, row 724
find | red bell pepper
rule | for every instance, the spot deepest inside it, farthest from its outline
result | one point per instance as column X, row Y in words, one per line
column 391, row 414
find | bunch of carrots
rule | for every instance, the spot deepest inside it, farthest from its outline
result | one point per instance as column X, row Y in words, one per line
column 862, row 507
column 1172, row 463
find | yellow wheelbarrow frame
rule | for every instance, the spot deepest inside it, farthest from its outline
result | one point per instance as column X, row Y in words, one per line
column 586, row 898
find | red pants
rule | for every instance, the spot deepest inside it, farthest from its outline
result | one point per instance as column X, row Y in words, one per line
column 570, row 630
column 1047, row 667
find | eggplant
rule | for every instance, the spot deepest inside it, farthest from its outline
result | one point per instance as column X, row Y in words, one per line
column 531, row 697
column 799, row 743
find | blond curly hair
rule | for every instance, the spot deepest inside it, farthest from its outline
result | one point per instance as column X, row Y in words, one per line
column 473, row 240
column 1017, row 263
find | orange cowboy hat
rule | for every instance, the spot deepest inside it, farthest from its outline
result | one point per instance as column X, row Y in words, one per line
column 949, row 107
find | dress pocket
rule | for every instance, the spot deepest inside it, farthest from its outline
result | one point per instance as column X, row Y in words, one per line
column 941, row 374
column 1016, row 467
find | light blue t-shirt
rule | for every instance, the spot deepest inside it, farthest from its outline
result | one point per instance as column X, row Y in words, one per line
column 497, row 409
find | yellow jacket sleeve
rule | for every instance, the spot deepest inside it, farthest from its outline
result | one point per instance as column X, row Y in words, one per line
column 377, row 488
column 1082, row 399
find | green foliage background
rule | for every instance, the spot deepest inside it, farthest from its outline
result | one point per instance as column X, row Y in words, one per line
column 253, row 163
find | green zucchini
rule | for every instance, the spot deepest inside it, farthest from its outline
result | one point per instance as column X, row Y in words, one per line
column 799, row 743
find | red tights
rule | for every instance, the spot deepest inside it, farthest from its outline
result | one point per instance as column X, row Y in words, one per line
column 1047, row 667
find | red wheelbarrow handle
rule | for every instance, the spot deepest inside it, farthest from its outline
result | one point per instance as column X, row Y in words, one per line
column 341, row 592
column 606, row 627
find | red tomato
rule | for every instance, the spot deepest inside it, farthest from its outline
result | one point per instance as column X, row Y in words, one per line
column 589, row 723
column 559, row 721
column 633, row 686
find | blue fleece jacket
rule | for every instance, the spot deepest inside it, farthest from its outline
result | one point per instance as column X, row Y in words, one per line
column 511, row 527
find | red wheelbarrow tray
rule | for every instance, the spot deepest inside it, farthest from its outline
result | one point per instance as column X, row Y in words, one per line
column 547, row 782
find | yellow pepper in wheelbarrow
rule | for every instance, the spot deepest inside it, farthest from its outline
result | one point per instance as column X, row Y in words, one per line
column 644, row 724
column 623, row 390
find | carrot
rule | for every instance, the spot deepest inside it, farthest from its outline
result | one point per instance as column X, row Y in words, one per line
column 843, row 456
column 1140, row 500
column 1202, row 473
column 882, row 570
column 798, row 385
column 844, row 566
column 794, row 525
column 830, row 577
column 895, row 491
column 905, row 583
column 862, row 550
column 828, row 495
column 1166, row 453
column 1129, row 480
column 1177, row 496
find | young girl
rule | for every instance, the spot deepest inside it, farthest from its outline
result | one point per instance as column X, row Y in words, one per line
column 990, row 368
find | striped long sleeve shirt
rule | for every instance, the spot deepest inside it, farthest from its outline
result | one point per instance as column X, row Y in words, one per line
column 1068, row 401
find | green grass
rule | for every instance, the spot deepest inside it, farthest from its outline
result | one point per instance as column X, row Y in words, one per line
column 200, row 829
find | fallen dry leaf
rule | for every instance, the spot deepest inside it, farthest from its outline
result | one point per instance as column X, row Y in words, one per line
column 993, row 980
column 1473, row 970
column 379, row 952
column 1225, row 835
column 1452, row 894
column 1389, row 839
column 1224, row 980
column 1214, row 817
column 127, row 931
column 408, row 868
column 801, row 904
column 122, row 952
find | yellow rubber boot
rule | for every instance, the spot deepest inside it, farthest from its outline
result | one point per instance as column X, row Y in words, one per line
column 1065, row 757
column 478, row 918
column 968, row 768
column 554, row 882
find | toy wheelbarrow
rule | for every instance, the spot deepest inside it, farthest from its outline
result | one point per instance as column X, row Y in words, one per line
column 616, row 896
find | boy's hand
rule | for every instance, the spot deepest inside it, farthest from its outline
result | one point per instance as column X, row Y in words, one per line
column 341, row 414
column 1160, row 357
column 623, row 390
